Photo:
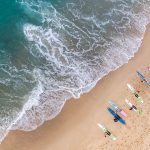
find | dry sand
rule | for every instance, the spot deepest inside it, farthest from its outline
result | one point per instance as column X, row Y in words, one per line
column 75, row 128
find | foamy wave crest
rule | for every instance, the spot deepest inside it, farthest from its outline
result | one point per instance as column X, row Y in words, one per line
column 76, row 44
column 17, row 82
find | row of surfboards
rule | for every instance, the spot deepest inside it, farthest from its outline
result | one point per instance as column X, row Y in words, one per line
column 114, row 108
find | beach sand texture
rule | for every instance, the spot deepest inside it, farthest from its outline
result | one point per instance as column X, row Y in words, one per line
column 75, row 128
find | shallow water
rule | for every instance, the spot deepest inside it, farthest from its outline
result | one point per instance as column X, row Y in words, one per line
column 52, row 50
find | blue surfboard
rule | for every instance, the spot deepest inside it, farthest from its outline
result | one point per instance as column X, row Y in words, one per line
column 116, row 116
column 143, row 78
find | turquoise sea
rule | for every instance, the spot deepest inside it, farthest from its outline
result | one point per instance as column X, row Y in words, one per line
column 52, row 50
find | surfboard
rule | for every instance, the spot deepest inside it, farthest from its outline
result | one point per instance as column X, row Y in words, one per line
column 106, row 131
column 116, row 116
column 142, row 78
column 130, row 105
column 135, row 93
column 123, row 113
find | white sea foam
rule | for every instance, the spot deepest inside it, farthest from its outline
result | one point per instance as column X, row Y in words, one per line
column 78, row 48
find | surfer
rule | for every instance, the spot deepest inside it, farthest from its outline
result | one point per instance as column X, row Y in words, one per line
column 116, row 118
column 133, row 107
column 136, row 95
column 107, row 133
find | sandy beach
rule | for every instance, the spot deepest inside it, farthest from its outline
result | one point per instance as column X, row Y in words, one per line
column 75, row 128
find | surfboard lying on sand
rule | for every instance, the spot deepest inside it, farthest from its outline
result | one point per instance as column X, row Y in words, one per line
column 130, row 105
column 116, row 116
column 106, row 131
column 135, row 93
column 142, row 78
column 117, row 108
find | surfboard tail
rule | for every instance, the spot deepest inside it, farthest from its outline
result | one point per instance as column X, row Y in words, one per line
column 123, row 113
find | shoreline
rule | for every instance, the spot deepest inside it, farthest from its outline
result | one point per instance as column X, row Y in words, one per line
column 68, row 130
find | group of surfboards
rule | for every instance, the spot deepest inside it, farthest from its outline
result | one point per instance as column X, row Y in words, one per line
column 117, row 112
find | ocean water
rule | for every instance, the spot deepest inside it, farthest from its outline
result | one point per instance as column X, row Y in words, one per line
column 52, row 50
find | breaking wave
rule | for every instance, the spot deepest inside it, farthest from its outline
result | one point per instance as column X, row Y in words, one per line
column 68, row 46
